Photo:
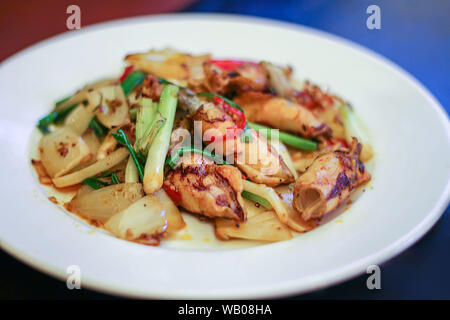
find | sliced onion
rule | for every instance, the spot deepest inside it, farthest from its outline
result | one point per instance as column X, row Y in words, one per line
column 76, row 177
column 145, row 218
column 78, row 120
column 103, row 203
column 173, row 215
column 61, row 151
column 113, row 110
column 264, row 226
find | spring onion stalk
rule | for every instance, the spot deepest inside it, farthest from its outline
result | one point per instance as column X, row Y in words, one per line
column 257, row 199
column 131, row 172
column 132, row 81
column 148, row 123
column 286, row 138
column 173, row 160
column 154, row 166
column 122, row 138
column 270, row 195
column 354, row 128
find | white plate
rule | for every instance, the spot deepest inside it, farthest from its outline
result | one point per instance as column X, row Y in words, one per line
column 409, row 130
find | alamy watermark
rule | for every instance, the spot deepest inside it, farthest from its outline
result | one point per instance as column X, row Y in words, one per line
column 374, row 280
column 73, row 277
column 73, row 21
column 374, row 20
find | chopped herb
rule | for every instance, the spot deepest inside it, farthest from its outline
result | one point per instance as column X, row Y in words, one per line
column 122, row 138
column 97, row 127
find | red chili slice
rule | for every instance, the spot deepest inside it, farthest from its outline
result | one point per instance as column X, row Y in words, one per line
column 238, row 117
column 337, row 141
column 126, row 73
column 174, row 194
column 230, row 65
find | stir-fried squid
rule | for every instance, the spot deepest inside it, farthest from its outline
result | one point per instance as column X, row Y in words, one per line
column 238, row 143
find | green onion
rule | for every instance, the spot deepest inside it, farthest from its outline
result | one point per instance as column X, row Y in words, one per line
column 132, row 81
column 157, row 151
column 172, row 161
column 97, row 127
column 211, row 95
column 148, row 123
column 114, row 179
column 141, row 157
column 94, row 183
column 122, row 138
column 133, row 113
column 57, row 103
column 257, row 199
column 287, row 138
column 54, row 117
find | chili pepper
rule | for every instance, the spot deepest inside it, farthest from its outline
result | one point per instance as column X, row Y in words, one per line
column 174, row 194
column 126, row 73
column 337, row 141
column 230, row 65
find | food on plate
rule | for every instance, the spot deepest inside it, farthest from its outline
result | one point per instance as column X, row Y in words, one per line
column 240, row 144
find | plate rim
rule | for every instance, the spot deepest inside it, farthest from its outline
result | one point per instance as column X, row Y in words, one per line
column 286, row 288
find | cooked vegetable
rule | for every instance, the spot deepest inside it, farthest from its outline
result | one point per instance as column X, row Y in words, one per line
column 113, row 110
column 270, row 195
column 154, row 167
column 122, row 138
column 285, row 137
column 188, row 144
column 94, row 183
column 173, row 160
column 103, row 203
column 131, row 81
column 54, row 117
column 61, row 151
column 114, row 178
column 354, row 128
column 144, row 218
column 174, row 219
column 97, row 127
column 102, row 165
column 264, row 226
column 148, row 123
column 212, row 95
column 131, row 171
column 257, row 199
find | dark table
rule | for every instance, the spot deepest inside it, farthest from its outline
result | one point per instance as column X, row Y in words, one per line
column 414, row 34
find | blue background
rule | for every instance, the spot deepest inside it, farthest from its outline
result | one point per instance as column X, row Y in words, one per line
column 415, row 34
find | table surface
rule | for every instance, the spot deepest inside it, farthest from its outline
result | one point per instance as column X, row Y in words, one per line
column 415, row 34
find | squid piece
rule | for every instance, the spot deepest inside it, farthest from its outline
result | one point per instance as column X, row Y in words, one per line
column 329, row 181
column 245, row 77
column 282, row 114
column 255, row 156
column 200, row 186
